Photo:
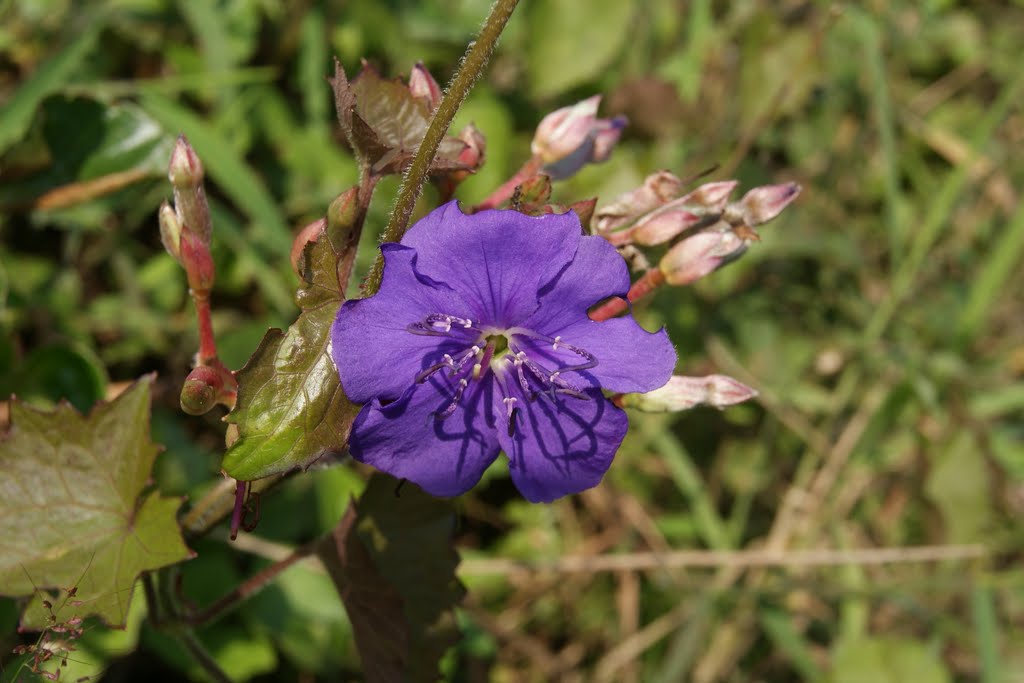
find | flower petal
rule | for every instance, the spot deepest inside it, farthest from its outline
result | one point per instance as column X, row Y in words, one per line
column 560, row 446
column 497, row 260
column 597, row 272
column 629, row 358
column 406, row 440
column 376, row 355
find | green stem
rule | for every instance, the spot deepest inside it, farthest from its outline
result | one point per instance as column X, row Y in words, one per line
column 201, row 657
column 477, row 56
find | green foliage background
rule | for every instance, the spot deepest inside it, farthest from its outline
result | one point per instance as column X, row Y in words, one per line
column 880, row 318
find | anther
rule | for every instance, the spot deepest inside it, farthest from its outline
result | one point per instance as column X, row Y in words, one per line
column 510, row 412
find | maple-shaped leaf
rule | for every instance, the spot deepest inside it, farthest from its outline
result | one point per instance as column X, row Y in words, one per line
column 392, row 559
column 385, row 123
column 290, row 409
column 73, row 512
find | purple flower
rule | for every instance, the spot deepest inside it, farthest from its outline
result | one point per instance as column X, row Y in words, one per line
column 478, row 341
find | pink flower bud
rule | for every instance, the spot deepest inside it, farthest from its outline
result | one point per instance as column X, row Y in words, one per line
column 683, row 393
column 422, row 84
column 661, row 226
column 476, row 146
column 571, row 137
column 712, row 196
column 185, row 170
column 762, row 204
column 700, row 254
column 658, row 189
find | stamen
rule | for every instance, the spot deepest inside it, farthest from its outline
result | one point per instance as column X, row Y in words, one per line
column 448, row 362
column 440, row 325
column 553, row 384
column 447, row 412
column 556, row 344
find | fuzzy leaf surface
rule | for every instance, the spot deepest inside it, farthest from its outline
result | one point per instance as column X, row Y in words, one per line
column 291, row 409
column 392, row 559
column 386, row 123
column 72, row 508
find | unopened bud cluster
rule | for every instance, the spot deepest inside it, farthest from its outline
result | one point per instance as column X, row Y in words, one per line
column 571, row 137
column 703, row 228
column 185, row 227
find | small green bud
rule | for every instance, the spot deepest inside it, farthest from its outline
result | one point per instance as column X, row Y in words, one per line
column 200, row 391
column 170, row 230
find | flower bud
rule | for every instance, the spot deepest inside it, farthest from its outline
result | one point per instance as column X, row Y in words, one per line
column 422, row 84
column 342, row 213
column 700, row 254
column 186, row 175
column 762, row 204
column 683, row 393
column 170, row 230
column 476, row 146
column 571, row 137
column 308, row 235
column 533, row 193
column 185, row 170
column 712, row 196
column 663, row 225
column 200, row 391
column 658, row 189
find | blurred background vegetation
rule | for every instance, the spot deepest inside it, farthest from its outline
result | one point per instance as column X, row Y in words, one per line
column 880, row 317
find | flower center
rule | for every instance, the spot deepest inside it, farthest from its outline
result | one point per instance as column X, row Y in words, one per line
column 515, row 355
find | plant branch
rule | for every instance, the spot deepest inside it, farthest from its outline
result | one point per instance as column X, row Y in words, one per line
column 477, row 56
column 647, row 283
column 249, row 587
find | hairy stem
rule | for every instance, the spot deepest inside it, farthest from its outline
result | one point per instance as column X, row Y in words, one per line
column 477, row 56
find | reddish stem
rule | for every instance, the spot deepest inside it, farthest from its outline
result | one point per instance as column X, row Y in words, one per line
column 207, row 343
column 508, row 188
column 241, row 489
column 250, row 586
column 647, row 283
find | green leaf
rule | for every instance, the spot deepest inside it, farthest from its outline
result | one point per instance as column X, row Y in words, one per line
column 960, row 485
column 386, row 124
column 886, row 660
column 16, row 115
column 572, row 41
column 59, row 371
column 291, row 409
column 72, row 509
column 392, row 560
